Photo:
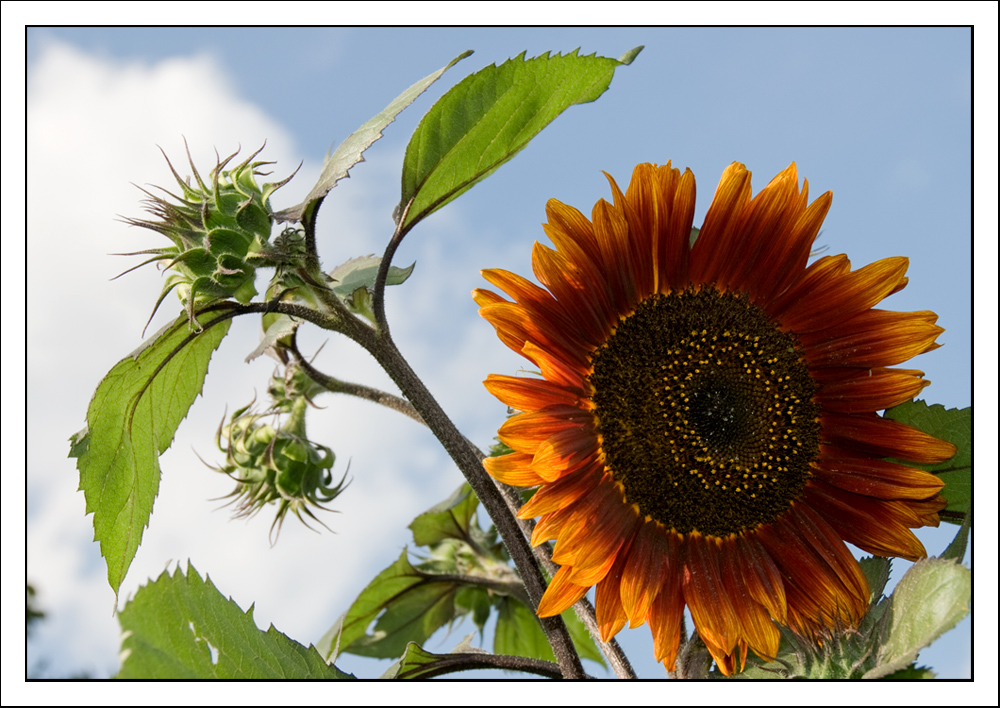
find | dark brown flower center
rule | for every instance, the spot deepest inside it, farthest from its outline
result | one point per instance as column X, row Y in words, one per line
column 704, row 411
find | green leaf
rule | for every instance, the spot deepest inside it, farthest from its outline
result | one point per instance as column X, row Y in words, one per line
column 413, row 604
column 910, row 673
column 280, row 327
column 928, row 601
column 349, row 153
column 955, row 426
column 487, row 118
column 354, row 282
column 329, row 644
column 79, row 442
column 475, row 601
column 449, row 519
column 417, row 662
column 131, row 421
column 518, row 632
column 956, row 549
column 876, row 570
column 584, row 643
column 181, row 627
column 360, row 272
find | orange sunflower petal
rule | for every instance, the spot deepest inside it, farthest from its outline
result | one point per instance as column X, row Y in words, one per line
column 514, row 469
column 528, row 394
column 713, row 251
column 705, row 595
column 617, row 256
column 516, row 326
column 762, row 221
column 605, row 524
column 569, row 281
column 882, row 437
column 527, row 431
column 561, row 594
column 864, row 391
column 563, row 453
column 785, row 257
column 762, row 577
column 666, row 614
column 608, row 596
column 870, row 524
column 756, row 630
column 642, row 276
column 644, row 574
column 562, row 492
column 555, row 369
column 704, row 430
column 875, row 338
column 876, row 478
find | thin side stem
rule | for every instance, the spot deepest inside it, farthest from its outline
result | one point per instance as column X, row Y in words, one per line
column 335, row 385
column 510, row 588
column 378, row 297
column 451, row 663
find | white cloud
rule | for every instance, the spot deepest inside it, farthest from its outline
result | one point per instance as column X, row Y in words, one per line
column 94, row 124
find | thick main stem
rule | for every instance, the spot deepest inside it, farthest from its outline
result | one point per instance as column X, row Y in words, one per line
column 388, row 356
column 585, row 611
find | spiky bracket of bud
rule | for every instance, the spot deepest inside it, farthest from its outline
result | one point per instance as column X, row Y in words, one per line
column 220, row 231
column 276, row 465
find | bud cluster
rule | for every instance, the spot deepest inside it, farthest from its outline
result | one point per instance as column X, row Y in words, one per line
column 219, row 229
column 276, row 464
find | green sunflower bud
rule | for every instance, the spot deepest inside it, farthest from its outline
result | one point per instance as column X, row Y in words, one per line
column 219, row 229
column 276, row 466
column 287, row 387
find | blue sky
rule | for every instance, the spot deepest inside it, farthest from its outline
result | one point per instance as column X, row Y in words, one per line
column 882, row 117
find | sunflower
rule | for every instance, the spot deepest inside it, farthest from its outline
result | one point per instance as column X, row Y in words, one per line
column 704, row 432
